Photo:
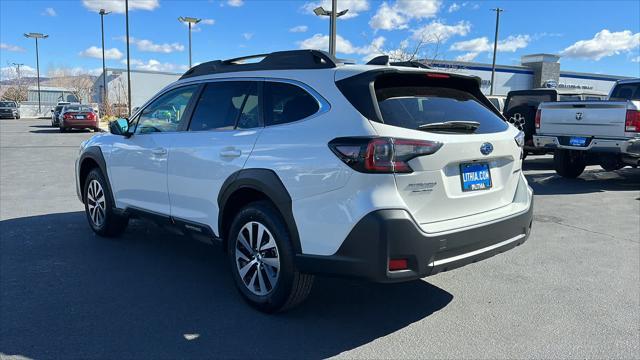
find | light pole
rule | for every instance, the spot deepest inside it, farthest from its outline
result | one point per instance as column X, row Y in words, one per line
column 189, row 21
column 19, row 79
column 126, row 16
column 102, row 13
column 495, row 48
column 333, row 17
column 37, row 36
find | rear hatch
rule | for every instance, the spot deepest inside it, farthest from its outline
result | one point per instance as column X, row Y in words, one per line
column 474, row 170
column 586, row 118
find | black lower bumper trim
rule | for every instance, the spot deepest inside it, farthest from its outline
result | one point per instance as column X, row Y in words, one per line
column 392, row 234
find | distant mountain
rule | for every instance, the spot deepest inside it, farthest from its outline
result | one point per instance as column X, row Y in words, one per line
column 44, row 81
column 25, row 80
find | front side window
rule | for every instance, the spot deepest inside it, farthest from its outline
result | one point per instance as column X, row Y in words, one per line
column 227, row 105
column 285, row 103
column 166, row 113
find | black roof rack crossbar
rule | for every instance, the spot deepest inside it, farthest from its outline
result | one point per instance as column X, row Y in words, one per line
column 280, row 60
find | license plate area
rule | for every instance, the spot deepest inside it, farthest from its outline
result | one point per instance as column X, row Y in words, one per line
column 80, row 117
column 475, row 176
column 578, row 141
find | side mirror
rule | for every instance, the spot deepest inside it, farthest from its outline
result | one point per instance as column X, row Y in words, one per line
column 119, row 127
column 51, row 110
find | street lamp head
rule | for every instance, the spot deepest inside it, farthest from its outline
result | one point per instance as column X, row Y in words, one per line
column 187, row 19
column 320, row 11
column 342, row 12
column 104, row 12
column 36, row 35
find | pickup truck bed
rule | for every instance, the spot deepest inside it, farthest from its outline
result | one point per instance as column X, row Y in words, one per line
column 601, row 132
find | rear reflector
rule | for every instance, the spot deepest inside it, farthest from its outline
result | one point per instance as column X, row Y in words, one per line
column 537, row 121
column 398, row 264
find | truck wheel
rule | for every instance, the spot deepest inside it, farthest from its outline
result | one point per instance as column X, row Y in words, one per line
column 262, row 260
column 569, row 163
column 610, row 162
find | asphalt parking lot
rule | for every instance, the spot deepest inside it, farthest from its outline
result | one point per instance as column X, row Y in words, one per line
column 571, row 291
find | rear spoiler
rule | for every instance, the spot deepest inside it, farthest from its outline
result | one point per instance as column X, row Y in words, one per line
column 360, row 90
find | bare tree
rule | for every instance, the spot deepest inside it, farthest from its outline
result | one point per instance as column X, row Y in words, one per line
column 79, row 84
column 18, row 90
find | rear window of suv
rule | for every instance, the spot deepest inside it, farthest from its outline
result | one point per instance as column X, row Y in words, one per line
column 412, row 107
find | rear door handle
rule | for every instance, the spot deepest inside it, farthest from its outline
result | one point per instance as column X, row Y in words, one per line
column 230, row 152
column 159, row 151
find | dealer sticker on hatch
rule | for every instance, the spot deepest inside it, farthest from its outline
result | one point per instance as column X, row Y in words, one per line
column 475, row 176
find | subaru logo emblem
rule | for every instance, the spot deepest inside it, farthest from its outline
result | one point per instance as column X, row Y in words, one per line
column 486, row 148
column 578, row 116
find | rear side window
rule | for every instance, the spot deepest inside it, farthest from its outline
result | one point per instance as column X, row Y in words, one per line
column 412, row 107
column 226, row 105
column 626, row 92
column 285, row 103
column 527, row 100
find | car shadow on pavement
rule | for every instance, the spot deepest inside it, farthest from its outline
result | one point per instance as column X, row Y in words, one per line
column 66, row 293
column 591, row 181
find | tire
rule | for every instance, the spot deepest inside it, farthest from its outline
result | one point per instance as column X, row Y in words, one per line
column 272, row 283
column 569, row 163
column 102, row 219
column 63, row 129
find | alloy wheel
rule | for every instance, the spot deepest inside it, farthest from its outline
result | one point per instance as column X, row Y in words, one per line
column 257, row 258
column 96, row 203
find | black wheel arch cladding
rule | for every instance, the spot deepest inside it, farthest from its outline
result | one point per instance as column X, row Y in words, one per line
column 264, row 181
column 93, row 154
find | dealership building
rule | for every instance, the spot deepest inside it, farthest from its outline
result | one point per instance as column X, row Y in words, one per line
column 536, row 70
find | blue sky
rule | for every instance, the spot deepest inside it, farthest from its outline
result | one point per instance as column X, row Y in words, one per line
column 592, row 36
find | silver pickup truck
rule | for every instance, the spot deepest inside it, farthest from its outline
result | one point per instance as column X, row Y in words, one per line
column 606, row 133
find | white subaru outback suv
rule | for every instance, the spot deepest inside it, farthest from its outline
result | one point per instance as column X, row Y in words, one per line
column 301, row 164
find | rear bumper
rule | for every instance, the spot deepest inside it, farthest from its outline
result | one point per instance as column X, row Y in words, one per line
column 393, row 234
column 629, row 147
column 79, row 124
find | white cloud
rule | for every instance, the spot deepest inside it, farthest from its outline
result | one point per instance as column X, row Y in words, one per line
column 636, row 59
column 355, row 7
column 398, row 15
column 343, row 46
column 117, row 6
column 96, row 52
column 207, row 22
column 436, row 31
column 513, row 43
column 247, row 36
column 467, row 56
column 299, row 28
column 453, row 7
column 49, row 12
column 9, row 47
column 235, row 3
column 155, row 65
column 604, row 43
column 475, row 46
column 150, row 46
column 10, row 72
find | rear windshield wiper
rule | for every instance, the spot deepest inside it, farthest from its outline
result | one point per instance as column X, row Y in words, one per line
column 466, row 127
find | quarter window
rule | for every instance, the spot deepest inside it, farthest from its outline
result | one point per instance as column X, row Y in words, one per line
column 227, row 105
column 167, row 112
column 285, row 103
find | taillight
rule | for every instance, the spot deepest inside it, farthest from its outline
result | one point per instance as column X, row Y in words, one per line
column 381, row 154
column 91, row 116
column 632, row 121
column 538, row 119
column 67, row 116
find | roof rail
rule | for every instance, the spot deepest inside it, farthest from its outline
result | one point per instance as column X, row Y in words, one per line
column 280, row 60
